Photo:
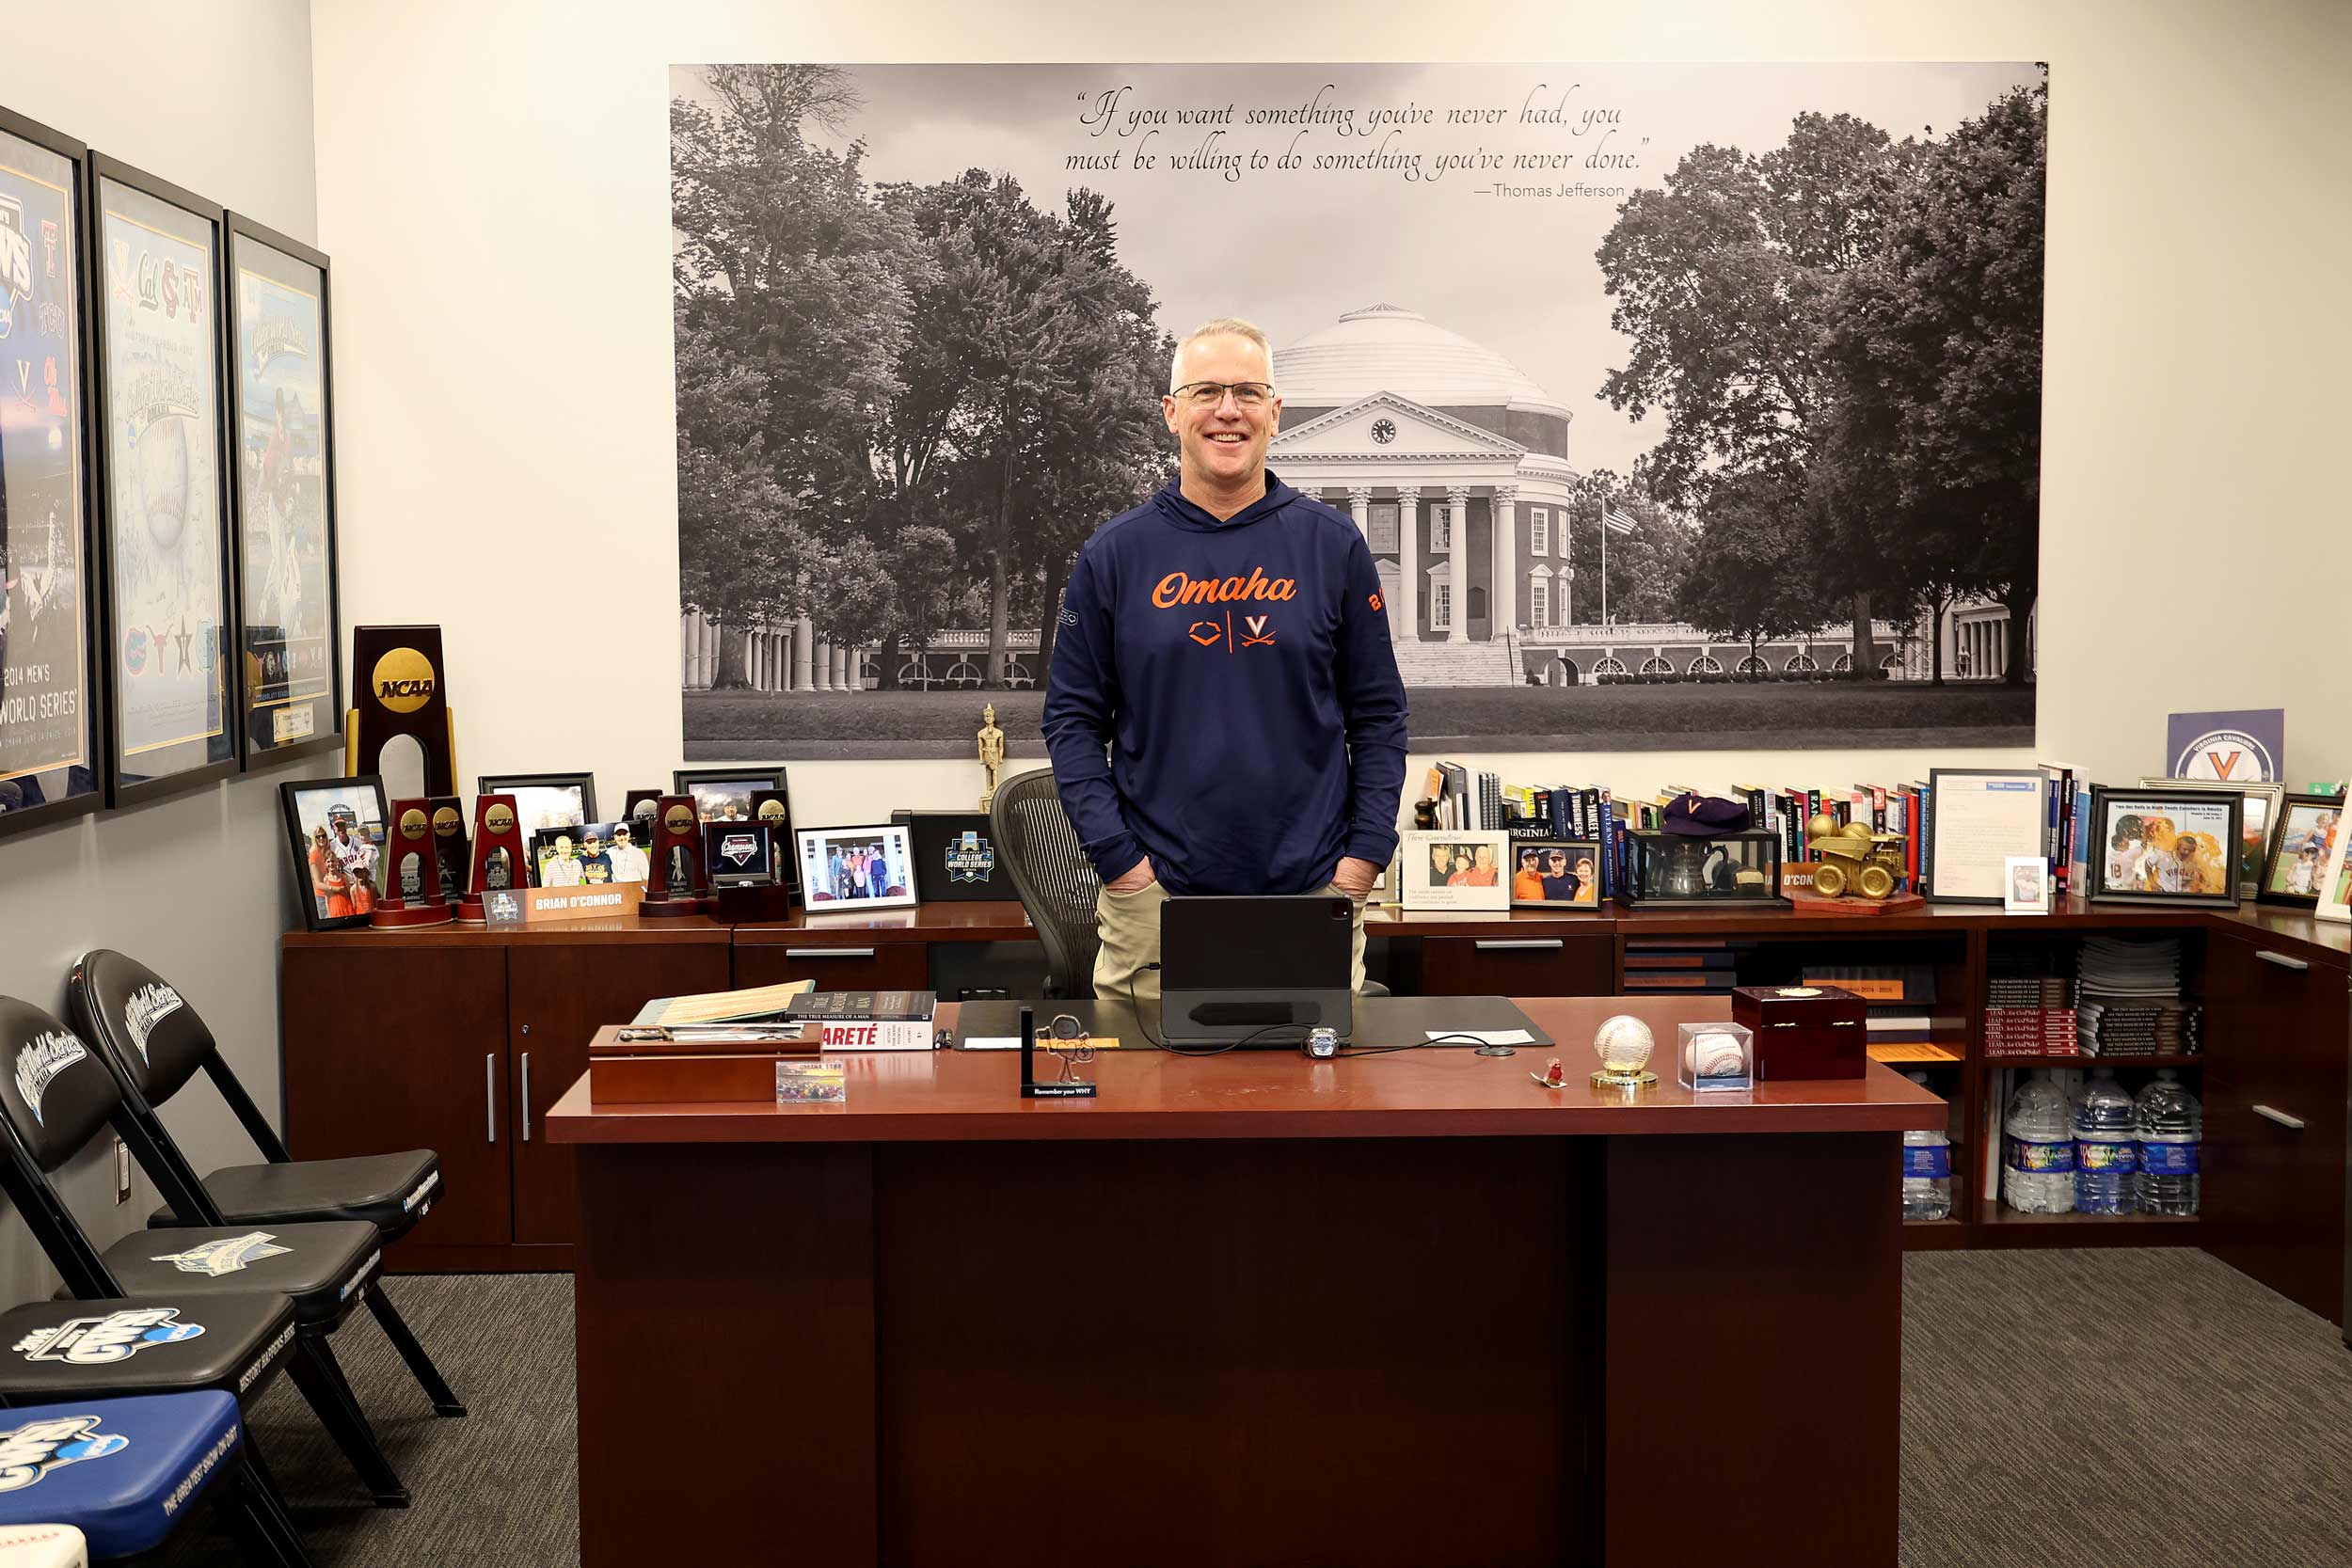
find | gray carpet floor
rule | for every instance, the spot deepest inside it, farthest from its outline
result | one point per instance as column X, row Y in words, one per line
column 2154, row 1407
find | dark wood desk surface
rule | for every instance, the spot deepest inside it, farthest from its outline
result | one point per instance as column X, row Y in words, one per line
column 1439, row 1092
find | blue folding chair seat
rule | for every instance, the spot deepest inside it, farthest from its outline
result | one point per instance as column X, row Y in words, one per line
column 125, row 1472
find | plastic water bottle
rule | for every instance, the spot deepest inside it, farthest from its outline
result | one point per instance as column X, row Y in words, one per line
column 2106, row 1154
column 1927, row 1171
column 2038, row 1171
column 2172, row 1127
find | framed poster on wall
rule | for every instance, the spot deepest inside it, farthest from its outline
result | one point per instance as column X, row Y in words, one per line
column 173, row 691
column 51, row 742
column 282, row 482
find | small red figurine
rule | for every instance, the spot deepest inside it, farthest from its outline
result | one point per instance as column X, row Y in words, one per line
column 1554, row 1077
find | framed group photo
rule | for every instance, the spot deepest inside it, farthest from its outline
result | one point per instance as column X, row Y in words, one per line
column 2335, row 883
column 2300, row 851
column 864, row 868
column 1554, row 874
column 335, row 848
column 173, row 690
column 2165, row 845
column 51, row 754
column 726, row 794
column 545, row 801
column 282, row 467
column 2255, row 822
column 1449, row 868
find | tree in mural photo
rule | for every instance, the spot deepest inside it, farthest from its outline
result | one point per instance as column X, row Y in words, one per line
column 1644, row 567
column 1855, row 321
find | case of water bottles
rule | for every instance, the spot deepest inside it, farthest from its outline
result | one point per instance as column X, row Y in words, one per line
column 2103, row 1152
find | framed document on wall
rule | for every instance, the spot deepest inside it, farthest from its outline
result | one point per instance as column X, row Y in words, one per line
column 50, row 737
column 282, row 482
column 172, row 689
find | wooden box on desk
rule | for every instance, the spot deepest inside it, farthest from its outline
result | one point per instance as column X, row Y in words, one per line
column 675, row 1072
column 1805, row 1031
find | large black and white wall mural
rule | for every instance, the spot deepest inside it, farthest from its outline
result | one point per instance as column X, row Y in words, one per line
column 1681, row 406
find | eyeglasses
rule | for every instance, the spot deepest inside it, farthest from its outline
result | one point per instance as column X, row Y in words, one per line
column 1208, row 394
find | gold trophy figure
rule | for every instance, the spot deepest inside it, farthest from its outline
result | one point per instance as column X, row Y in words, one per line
column 992, row 741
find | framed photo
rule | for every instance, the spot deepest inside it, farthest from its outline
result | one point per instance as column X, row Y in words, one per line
column 2260, row 815
column 2310, row 827
column 2163, row 845
column 725, row 793
column 1455, row 869
column 588, row 854
column 282, row 483
column 1552, row 873
column 52, row 745
column 860, row 869
column 545, row 800
column 2335, row 886
column 1979, row 817
column 335, row 848
column 2026, row 885
column 174, row 692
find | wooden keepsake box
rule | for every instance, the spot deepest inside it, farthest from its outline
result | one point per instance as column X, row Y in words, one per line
column 1805, row 1031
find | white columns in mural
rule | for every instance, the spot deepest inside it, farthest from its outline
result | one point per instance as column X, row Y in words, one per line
column 1404, row 615
column 1505, row 532
column 825, row 665
column 1458, row 565
column 1360, row 502
column 803, row 644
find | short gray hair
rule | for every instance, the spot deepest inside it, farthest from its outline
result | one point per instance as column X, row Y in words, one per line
column 1224, row 326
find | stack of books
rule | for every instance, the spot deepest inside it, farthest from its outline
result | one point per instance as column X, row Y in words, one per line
column 2128, row 998
column 1681, row 966
column 2029, row 1009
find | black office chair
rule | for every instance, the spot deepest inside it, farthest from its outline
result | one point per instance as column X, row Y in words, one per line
column 155, row 1042
column 55, row 1102
column 1056, row 882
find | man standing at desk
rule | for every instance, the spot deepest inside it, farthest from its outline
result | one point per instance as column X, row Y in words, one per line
column 1227, row 643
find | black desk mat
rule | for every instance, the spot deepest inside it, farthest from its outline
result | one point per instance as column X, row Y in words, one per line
column 1380, row 1021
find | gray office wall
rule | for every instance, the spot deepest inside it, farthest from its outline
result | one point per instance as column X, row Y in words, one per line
column 215, row 98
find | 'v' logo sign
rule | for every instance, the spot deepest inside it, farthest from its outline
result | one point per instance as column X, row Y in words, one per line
column 1259, row 637
column 2224, row 766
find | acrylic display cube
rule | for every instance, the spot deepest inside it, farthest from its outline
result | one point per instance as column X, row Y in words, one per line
column 1712, row 1057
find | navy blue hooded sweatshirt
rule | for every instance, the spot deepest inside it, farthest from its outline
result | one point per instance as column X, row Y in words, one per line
column 1241, row 676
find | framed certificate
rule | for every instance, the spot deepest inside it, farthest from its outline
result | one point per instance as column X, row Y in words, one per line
column 282, row 467
column 1979, row 817
column 49, row 748
column 172, row 689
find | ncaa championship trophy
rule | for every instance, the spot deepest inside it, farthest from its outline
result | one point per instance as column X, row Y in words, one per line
column 396, row 690
column 412, row 839
column 672, row 891
column 495, row 831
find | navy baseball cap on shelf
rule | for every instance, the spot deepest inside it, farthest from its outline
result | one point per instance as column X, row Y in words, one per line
column 1703, row 816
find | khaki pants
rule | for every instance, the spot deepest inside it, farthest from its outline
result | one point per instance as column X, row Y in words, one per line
column 1130, row 927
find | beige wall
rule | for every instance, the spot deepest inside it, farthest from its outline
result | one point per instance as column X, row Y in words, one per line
column 215, row 98
column 494, row 187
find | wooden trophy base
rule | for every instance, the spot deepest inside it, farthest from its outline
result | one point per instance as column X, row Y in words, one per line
column 752, row 903
column 467, row 910
column 389, row 916
column 1813, row 903
column 676, row 907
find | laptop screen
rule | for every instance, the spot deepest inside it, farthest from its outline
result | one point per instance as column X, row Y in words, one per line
column 1275, row 944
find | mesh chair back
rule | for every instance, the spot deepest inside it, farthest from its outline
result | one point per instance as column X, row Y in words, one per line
column 55, row 1090
column 1057, row 882
column 152, row 1034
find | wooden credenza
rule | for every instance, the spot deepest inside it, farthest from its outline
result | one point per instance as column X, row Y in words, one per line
column 489, row 1028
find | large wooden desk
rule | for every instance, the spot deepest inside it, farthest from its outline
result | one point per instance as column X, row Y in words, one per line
column 1408, row 1310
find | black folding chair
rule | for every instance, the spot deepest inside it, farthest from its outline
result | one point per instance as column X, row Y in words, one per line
column 155, row 1043
column 54, row 1103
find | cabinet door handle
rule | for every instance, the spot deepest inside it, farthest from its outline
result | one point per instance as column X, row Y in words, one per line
column 490, row 1096
column 2282, row 959
column 828, row 952
column 526, row 1097
column 2293, row 1123
column 1520, row 944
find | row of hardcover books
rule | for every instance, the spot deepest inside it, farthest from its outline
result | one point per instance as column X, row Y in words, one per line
column 1481, row 801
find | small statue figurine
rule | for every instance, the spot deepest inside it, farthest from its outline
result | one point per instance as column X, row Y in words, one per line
column 992, row 741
